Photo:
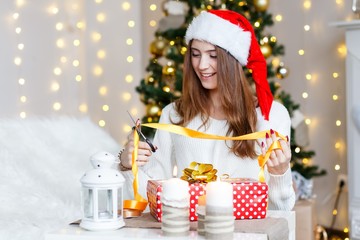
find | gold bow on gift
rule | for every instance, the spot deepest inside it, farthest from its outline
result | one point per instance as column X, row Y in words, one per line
column 199, row 172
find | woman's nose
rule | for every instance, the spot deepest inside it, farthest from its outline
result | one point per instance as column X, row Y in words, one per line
column 204, row 63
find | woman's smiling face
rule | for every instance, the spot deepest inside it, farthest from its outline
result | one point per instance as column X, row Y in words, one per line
column 204, row 62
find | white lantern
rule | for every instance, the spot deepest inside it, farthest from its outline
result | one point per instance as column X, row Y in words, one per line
column 102, row 194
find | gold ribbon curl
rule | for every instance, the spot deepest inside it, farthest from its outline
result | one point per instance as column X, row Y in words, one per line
column 262, row 159
column 199, row 172
column 134, row 208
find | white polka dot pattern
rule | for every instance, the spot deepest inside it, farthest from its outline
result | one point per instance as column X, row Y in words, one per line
column 250, row 199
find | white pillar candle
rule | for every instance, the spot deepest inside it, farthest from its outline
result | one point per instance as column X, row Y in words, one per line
column 219, row 194
column 219, row 215
column 175, row 193
column 175, row 206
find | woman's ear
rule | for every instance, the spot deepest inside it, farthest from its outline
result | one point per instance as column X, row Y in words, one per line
column 256, row 102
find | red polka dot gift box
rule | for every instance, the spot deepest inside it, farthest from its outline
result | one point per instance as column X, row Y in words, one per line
column 250, row 198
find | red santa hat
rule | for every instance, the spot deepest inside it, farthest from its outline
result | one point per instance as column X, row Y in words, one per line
column 234, row 33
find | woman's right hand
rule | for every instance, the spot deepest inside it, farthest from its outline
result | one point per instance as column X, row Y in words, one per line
column 144, row 152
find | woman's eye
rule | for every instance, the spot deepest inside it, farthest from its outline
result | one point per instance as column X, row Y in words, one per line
column 195, row 54
column 213, row 56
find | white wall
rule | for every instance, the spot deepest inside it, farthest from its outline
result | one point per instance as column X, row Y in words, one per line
column 41, row 55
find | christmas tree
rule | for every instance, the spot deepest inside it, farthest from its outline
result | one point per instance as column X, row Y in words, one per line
column 163, row 82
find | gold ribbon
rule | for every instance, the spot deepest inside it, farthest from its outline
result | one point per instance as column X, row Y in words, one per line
column 196, row 134
column 134, row 208
column 199, row 172
column 263, row 159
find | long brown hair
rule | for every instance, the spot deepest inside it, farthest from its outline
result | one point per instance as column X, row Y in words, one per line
column 237, row 100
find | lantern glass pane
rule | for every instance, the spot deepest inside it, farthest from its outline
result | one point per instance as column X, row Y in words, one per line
column 119, row 202
column 105, row 200
column 87, row 195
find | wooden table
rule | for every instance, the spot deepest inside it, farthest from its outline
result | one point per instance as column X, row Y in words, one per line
column 74, row 232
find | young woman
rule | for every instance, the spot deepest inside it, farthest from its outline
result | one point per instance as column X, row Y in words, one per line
column 217, row 99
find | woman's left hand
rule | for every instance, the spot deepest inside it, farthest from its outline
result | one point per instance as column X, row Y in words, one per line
column 278, row 162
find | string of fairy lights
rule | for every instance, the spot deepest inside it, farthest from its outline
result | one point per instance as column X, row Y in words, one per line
column 98, row 70
column 338, row 99
column 309, row 76
column 18, row 58
column 129, row 78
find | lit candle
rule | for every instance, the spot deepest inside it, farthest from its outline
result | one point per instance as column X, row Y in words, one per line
column 219, row 194
column 175, row 193
column 175, row 171
column 175, row 201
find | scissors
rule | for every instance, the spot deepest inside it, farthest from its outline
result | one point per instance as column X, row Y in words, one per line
column 137, row 127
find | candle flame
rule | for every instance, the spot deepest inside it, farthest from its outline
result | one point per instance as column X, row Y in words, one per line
column 175, row 171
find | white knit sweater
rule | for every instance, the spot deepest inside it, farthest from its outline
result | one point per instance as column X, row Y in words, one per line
column 179, row 150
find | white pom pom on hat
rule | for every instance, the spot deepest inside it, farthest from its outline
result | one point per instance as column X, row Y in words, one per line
column 234, row 33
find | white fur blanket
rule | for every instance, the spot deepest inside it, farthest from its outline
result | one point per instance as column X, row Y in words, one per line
column 42, row 161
